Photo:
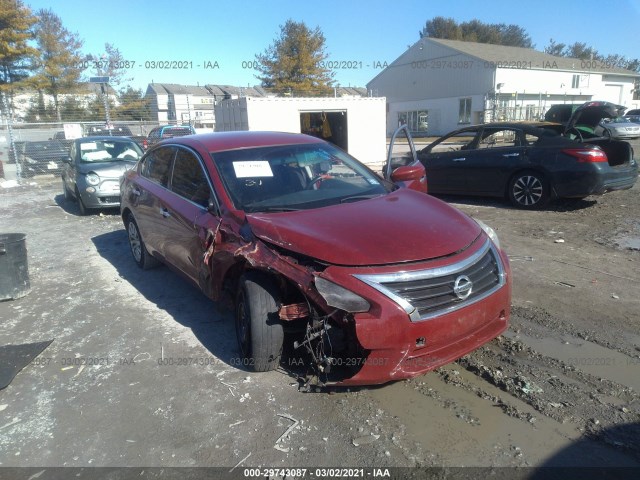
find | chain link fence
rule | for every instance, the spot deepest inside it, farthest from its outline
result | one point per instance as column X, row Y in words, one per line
column 31, row 149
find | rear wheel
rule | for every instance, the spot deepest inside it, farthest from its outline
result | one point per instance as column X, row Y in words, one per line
column 258, row 326
column 140, row 254
column 529, row 190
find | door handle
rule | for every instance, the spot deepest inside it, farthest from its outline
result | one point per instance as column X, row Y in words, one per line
column 461, row 159
column 165, row 213
column 511, row 155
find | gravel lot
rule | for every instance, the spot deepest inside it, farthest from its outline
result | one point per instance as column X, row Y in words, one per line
column 560, row 388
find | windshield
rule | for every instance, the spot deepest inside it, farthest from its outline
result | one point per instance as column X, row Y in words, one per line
column 619, row 120
column 108, row 151
column 295, row 177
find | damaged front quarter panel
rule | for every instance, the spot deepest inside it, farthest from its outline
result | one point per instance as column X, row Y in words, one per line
column 312, row 307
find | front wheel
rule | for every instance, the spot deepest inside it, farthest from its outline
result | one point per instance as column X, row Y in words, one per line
column 529, row 190
column 67, row 193
column 81, row 206
column 258, row 326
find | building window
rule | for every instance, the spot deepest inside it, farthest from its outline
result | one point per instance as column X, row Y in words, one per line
column 416, row 120
column 575, row 81
column 464, row 114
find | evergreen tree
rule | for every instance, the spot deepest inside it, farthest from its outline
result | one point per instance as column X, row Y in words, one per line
column 293, row 63
column 59, row 61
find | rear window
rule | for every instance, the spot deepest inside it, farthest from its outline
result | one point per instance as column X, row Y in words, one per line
column 176, row 132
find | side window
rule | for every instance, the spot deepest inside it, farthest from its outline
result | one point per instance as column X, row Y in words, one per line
column 494, row 138
column 72, row 152
column 189, row 179
column 530, row 139
column 157, row 165
column 459, row 141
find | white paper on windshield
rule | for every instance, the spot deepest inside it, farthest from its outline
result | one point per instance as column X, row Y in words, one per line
column 98, row 155
column 89, row 146
column 252, row 169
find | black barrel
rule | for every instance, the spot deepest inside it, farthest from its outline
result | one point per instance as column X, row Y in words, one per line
column 14, row 270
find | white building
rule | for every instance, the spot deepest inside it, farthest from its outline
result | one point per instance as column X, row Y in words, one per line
column 355, row 124
column 181, row 104
column 84, row 94
column 439, row 85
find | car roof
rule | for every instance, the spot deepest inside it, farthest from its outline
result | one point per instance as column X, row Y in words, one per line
column 220, row 141
column 165, row 127
column 111, row 138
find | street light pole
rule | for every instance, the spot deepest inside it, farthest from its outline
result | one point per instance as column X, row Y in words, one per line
column 105, row 98
column 7, row 113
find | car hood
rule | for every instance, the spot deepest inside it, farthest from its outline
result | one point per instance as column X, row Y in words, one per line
column 403, row 226
column 107, row 169
column 592, row 113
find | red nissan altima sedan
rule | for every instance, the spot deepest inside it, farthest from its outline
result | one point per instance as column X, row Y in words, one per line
column 372, row 280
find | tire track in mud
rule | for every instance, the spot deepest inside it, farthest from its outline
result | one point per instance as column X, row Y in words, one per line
column 595, row 406
column 508, row 404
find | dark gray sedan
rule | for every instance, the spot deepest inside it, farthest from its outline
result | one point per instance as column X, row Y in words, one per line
column 91, row 174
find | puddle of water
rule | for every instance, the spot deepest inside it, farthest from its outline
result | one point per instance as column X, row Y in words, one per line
column 587, row 357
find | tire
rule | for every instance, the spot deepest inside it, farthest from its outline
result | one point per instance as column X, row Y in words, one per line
column 139, row 251
column 67, row 193
column 81, row 207
column 258, row 328
column 529, row 190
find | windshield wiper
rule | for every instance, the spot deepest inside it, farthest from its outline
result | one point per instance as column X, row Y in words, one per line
column 275, row 209
column 355, row 198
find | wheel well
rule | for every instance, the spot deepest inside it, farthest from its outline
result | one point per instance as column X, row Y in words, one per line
column 125, row 215
column 288, row 291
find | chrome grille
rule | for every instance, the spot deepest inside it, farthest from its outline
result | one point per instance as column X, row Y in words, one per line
column 425, row 294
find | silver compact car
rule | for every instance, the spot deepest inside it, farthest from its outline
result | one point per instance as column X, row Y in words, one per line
column 91, row 174
column 620, row 128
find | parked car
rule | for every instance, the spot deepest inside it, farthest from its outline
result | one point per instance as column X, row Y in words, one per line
column 620, row 128
column 531, row 163
column 168, row 131
column 633, row 118
column 374, row 282
column 92, row 170
column 41, row 157
column 635, row 111
column 561, row 113
column 61, row 137
column 115, row 130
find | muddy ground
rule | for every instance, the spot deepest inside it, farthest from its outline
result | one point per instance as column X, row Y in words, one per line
column 560, row 388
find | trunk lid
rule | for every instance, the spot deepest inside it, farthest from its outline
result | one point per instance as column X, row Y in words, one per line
column 591, row 113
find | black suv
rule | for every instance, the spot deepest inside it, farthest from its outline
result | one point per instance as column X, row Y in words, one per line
column 561, row 113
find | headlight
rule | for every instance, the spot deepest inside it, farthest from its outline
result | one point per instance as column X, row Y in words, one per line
column 491, row 233
column 92, row 178
column 339, row 297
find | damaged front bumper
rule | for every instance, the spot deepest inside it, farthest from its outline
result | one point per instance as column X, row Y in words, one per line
column 401, row 335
